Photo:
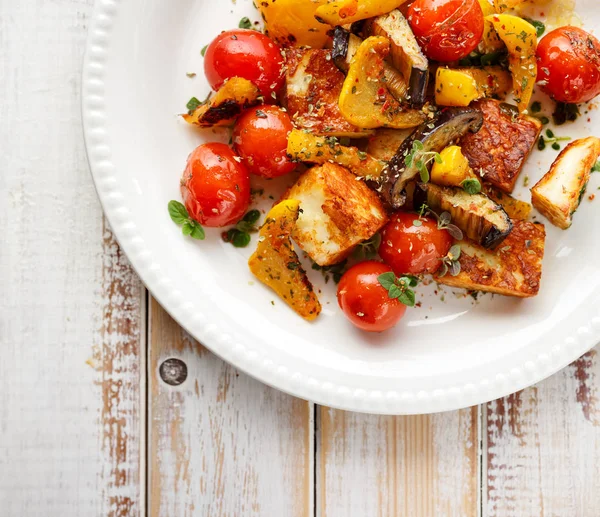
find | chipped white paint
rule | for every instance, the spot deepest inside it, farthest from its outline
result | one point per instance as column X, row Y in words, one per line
column 70, row 307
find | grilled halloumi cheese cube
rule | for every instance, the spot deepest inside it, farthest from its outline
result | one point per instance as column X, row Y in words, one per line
column 498, row 151
column 514, row 269
column 337, row 212
column 313, row 87
column 558, row 194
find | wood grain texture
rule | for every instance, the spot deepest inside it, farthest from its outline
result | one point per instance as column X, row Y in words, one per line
column 221, row 443
column 543, row 447
column 379, row 466
column 70, row 305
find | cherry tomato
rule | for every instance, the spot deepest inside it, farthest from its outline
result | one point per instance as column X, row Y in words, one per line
column 447, row 30
column 260, row 137
column 365, row 301
column 215, row 187
column 569, row 65
column 248, row 54
column 412, row 248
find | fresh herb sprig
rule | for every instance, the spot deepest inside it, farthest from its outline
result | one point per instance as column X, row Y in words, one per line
column 239, row 236
column 596, row 167
column 565, row 113
column 444, row 222
column 336, row 271
column 450, row 263
column 420, row 159
column 180, row 217
column 551, row 139
column 536, row 111
column 399, row 288
column 540, row 27
column 245, row 23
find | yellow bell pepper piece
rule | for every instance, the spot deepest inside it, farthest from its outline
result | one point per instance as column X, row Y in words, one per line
column 455, row 88
column 276, row 264
column 365, row 100
column 520, row 37
column 505, row 5
column 342, row 12
column 292, row 22
column 453, row 170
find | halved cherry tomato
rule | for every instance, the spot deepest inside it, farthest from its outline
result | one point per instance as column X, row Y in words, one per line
column 569, row 65
column 245, row 53
column 365, row 302
column 260, row 137
column 413, row 246
column 447, row 30
column 215, row 187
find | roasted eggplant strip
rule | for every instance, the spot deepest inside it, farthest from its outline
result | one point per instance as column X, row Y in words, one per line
column 345, row 46
column 406, row 55
column 435, row 135
column 481, row 219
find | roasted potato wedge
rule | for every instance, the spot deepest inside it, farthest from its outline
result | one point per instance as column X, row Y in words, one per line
column 276, row 264
column 306, row 147
column 514, row 269
column 223, row 107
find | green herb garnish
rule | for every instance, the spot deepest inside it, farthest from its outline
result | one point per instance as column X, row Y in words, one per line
column 239, row 236
column 245, row 23
column 450, row 263
column 399, row 288
column 471, row 186
column 565, row 113
column 203, row 51
column 552, row 140
column 337, row 271
column 367, row 249
column 193, row 104
column 540, row 28
column 180, row 217
column 420, row 159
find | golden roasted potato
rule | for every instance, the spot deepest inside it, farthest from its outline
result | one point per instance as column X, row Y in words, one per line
column 293, row 23
column 276, row 264
column 235, row 96
column 306, row 147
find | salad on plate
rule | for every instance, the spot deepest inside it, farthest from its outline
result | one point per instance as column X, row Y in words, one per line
column 400, row 129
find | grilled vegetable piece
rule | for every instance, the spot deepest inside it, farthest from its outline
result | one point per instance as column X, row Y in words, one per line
column 520, row 37
column 499, row 150
column 365, row 100
column 514, row 269
column 306, row 147
column 490, row 41
column 292, row 23
column 338, row 213
column 406, row 55
column 313, row 88
column 384, row 144
column 515, row 208
column 435, row 135
column 343, row 12
column 505, row 5
column 345, row 46
column 235, row 96
column 453, row 170
column 461, row 86
column 558, row 194
column 481, row 219
column 276, row 264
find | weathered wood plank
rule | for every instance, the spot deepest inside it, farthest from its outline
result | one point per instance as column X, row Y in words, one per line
column 543, row 447
column 398, row 466
column 221, row 443
column 71, row 307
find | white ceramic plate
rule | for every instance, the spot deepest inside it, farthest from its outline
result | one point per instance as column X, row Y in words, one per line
column 444, row 355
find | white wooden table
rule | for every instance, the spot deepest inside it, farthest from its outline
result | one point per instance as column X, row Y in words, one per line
column 89, row 428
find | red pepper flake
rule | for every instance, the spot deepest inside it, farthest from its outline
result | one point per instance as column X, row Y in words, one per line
column 381, row 91
column 592, row 197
